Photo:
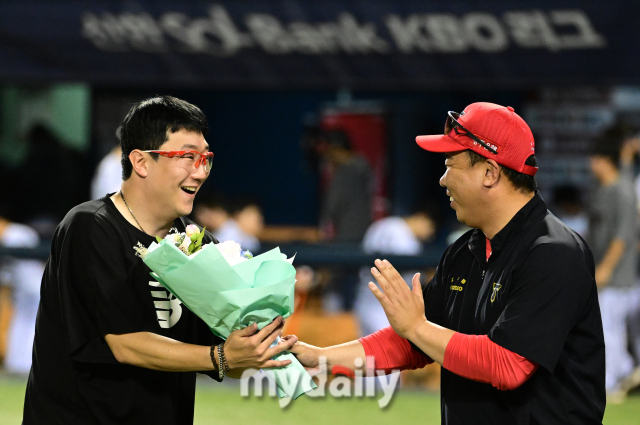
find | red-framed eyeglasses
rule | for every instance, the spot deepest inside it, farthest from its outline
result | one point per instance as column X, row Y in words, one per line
column 189, row 160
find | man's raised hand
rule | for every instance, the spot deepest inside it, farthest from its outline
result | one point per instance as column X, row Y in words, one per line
column 404, row 307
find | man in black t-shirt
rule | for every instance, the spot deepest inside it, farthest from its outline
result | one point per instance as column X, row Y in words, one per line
column 512, row 312
column 112, row 346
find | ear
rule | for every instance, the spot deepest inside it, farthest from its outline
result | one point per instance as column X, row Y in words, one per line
column 491, row 173
column 139, row 163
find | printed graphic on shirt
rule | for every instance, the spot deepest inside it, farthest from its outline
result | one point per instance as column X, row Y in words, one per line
column 458, row 288
column 168, row 307
column 496, row 288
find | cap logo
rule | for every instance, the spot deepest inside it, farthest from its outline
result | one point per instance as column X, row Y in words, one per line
column 491, row 145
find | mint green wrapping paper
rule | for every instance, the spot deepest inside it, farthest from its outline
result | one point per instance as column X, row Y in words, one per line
column 228, row 297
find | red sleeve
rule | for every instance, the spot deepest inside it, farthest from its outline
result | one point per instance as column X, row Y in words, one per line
column 392, row 352
column 478, row 358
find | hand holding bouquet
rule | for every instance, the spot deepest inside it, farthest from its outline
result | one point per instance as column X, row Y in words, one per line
column 228, row 288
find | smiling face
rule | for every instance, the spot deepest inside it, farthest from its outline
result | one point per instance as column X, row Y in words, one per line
column 171, row 186
column 464, row 184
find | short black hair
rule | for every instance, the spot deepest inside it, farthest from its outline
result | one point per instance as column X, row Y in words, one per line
column 212, row 201
column 609, row 143
column 605, row 149
column 523, row 182
column 429, row 209
column 148, row 123
column 239, row 204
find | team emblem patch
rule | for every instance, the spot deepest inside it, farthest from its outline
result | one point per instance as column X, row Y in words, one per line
column 458, row 287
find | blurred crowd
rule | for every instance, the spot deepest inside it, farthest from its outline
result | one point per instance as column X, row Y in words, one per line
column 333, row 303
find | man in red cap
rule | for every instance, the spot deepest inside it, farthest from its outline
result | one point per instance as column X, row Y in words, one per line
column 512, row 312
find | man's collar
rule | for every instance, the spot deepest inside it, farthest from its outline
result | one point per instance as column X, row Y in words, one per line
column 533, row 211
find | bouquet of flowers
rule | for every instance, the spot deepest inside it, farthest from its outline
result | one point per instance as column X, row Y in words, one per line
column 228, row 288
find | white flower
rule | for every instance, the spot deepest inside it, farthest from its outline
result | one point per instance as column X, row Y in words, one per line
column 231, row 251
column 184, row 246
column 173, row 238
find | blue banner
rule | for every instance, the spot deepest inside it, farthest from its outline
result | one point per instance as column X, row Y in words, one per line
column 358, row 44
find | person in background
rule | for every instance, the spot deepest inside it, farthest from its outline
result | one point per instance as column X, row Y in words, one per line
column 244, row 226
column 628, row 153
column 23, row 277
column 613, row 225
column 567, row 200
column 345, row 211
column 394, row 236
column 108, row 176
column 346, row 207
column 211, row 211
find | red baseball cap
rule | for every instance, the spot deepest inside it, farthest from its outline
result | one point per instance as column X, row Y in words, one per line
column 498, row 126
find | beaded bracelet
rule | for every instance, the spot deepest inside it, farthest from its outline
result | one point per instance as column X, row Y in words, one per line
column 213, row 358
column 226, row 365
column 221, row 368
column 223, row 358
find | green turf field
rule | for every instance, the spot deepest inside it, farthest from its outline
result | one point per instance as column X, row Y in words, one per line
column 224, row 406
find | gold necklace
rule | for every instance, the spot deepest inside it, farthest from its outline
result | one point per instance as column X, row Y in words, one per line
column 134, row 217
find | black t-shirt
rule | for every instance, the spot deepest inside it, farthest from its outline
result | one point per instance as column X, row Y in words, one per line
column 94, row 285
column 537, row 297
